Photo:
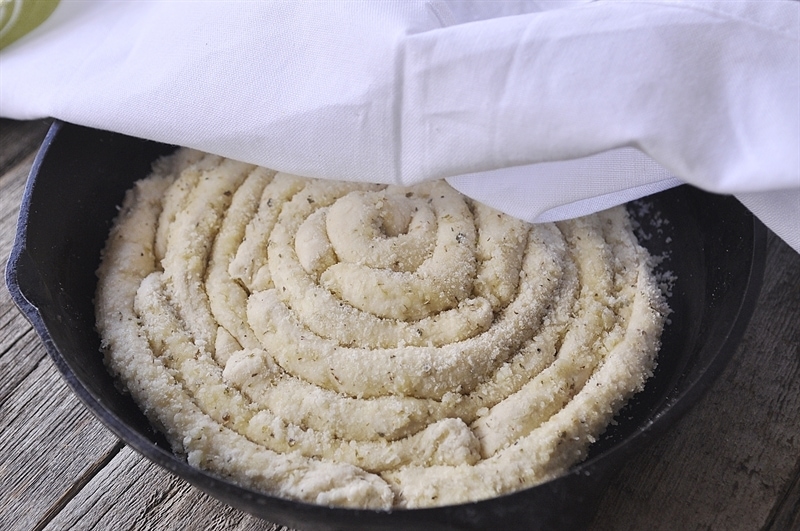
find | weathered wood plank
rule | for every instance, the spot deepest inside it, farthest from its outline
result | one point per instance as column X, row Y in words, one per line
column 12, row 185
column 18, row 139
column 132, row 493
column 50, row 445
column 18, row 144
column 730, row 463
column 12, row 323
column 787, row 515
column 21, row 359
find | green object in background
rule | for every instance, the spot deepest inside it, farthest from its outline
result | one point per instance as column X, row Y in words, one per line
column 18, row 17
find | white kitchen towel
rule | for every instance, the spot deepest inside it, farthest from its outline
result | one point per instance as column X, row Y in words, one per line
column 545, row 110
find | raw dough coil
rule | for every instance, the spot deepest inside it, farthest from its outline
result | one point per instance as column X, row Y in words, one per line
column 241, row 308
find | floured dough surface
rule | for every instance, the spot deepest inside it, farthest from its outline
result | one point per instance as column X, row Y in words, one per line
column 369, row 346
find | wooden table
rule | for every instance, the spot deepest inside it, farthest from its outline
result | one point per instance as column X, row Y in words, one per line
column 733, row 463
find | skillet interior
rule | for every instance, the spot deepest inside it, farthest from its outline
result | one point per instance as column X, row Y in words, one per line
column 712, row 244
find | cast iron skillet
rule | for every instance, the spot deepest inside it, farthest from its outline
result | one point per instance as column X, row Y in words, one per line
column 715, row 247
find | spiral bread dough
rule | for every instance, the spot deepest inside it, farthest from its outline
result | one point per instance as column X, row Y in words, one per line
column 369, row 346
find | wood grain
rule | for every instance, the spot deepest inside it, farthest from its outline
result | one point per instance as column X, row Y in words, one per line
column 49, row 445
column 18, row 144
column 18, row 139
column 733, row 463
column 12, row 324
column 155, row 500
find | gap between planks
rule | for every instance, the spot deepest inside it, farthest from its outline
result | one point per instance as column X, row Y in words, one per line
column 48, row 442
column 787, row 511
column 76, row 487
column 133, row 493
